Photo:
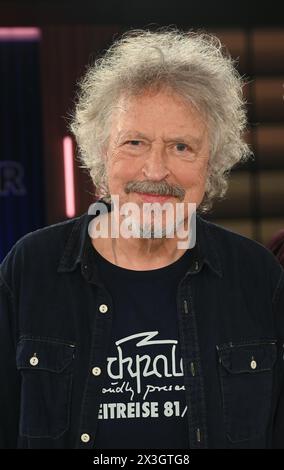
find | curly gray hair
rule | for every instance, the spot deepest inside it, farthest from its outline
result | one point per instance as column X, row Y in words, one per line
column 194, row 65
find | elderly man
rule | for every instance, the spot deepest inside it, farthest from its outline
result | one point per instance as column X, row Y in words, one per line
column 114, row 334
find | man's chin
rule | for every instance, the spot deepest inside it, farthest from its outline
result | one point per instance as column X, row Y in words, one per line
column 152, row 231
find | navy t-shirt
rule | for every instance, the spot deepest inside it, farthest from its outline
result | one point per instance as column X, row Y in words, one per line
column 143, row 398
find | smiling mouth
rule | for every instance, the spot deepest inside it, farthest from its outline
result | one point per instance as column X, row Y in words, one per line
column 150, row 197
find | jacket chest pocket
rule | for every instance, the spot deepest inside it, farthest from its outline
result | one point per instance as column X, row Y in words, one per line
column 46, row 369
column 246, row 375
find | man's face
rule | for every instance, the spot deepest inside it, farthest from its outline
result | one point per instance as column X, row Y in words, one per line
column 158, row 150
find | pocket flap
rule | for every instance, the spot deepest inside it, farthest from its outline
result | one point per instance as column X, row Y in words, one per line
column 252, row 357
column 44, row 354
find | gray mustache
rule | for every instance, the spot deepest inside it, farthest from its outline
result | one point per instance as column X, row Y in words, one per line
column 161, row 188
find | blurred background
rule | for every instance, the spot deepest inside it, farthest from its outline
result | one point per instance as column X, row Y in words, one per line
column 45, row 47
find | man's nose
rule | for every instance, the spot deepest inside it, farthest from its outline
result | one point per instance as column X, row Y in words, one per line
column 155, row 165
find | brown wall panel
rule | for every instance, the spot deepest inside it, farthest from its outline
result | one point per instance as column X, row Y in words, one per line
column 237, row 201
column 270, row 146
column 271, row 185
column 268, row 51
column 268, row 96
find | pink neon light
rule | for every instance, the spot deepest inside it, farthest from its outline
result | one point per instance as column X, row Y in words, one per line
column 69, row 176
column 18, row 34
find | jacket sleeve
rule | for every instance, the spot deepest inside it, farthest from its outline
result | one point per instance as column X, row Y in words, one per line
column 10, row 381
column 278, row 426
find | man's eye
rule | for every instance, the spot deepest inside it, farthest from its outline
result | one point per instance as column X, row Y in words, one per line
column 133, row 142
column 181, row 147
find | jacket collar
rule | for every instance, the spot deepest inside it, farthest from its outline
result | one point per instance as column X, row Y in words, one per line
column 208, row 245
column 78, row 247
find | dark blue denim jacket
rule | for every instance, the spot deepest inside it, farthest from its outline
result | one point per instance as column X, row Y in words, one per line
column 53, row 333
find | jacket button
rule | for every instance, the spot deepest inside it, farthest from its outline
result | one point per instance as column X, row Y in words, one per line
column 85, row 437
column 33, row 361
column 253, row 364
column 103, row 308
column 96, row 371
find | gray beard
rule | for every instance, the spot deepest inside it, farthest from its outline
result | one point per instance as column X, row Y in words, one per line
column 150, row 231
